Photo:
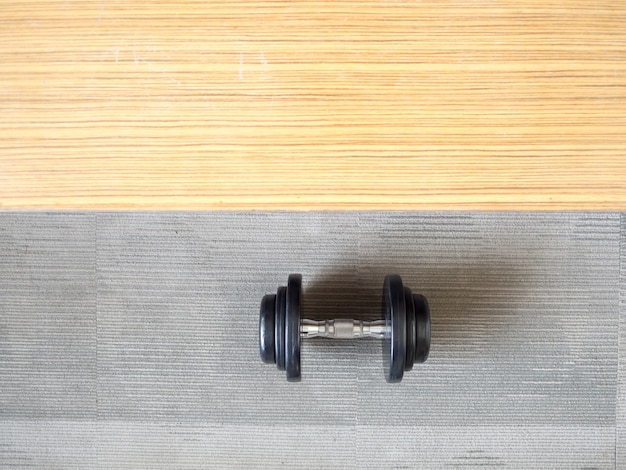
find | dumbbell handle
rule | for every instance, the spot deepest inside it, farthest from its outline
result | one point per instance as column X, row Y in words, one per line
column 343, row 328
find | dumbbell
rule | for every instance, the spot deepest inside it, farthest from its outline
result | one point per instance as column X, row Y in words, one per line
column 405, row 329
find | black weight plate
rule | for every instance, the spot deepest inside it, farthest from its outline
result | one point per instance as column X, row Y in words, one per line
column 394, row 307
column 422, row 317
column 279, row 327
column 411, row 329
column 292, row 328
column 266, row 329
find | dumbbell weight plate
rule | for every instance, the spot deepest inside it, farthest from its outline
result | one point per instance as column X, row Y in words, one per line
column 394, row 346
column 422, row 317
column 267, row 333
column 411, row 329
column 292, row 328
column 279, row 327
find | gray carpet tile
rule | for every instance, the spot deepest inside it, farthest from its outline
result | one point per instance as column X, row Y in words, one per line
column 621, row 373
column 129, row 340
column 47, row 316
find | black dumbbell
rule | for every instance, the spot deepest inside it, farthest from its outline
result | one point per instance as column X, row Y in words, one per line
column 405, row 330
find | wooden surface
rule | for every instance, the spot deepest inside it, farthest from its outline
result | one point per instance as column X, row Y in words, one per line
column 313, row 105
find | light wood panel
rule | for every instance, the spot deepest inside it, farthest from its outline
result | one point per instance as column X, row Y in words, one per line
column 313, row 105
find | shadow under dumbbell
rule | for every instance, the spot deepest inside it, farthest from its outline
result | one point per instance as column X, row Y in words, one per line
column 473, row 297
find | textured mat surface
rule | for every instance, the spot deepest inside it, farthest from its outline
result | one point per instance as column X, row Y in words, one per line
column 129, row 340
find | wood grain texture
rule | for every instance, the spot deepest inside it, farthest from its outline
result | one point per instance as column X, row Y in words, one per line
column 313, row 105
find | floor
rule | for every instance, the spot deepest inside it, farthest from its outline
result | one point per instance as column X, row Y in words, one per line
column 129, row 340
